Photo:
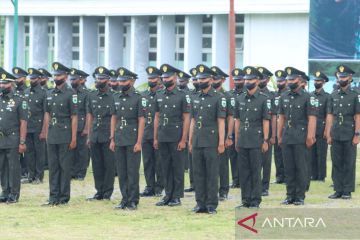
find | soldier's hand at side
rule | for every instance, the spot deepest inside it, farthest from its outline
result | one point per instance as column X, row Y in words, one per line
column 181, row 146
column 190, row 147
column 309, row 142
column 228, row 143
column 355, row 140
column 264, row 147
column 72, row 145
column 329, row 140
column 137, row 147
column 85, row 132
column 42, row 136
column 156, row 144
column 279, row 141
column 272, row 140
column 88, row 143
column 221, row 148
column 22, row 148
column 112, row 145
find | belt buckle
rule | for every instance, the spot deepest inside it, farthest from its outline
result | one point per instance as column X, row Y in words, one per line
column 123, row 122
column 53, row 121
column 289, row 123
column 166, row 121
column 2, row 134
column 341, row 117
column 149, row 120
column 199, row 124
column 247, row 125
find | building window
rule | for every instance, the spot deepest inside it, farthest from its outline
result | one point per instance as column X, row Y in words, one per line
column 51, row 39
column 75, row 44
column 179, row 41
column 239, row 40
column 126, row 41
column 101, row 43
column 152, row 40
column 207, row 40
column 27, row 41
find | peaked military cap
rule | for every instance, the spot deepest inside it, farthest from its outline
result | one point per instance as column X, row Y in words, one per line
column 251, row 73
column 320, row 76
column 204, row 71
column 265, row 72
column 183, row 76
column 45, row 73
column 293, row 73
column 101, row 73
column 193, row 72
column 237, row 74
column 6, row 77
column 219, row 73
column 19, row 72
column 77, row 74
column 168, row 70
column 153, row 72
column 34, row 73
column 280, row 75
column 125, row 74
column 59, row 68
column 113, row 75
column 344, row 71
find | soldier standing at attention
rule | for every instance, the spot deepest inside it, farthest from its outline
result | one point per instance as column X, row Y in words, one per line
column 61, row 120
column 343, row 133
column 81, row 152
column 36, row 135
column 113, row 81
column 219, row 79
column 13, row 117
column 296, row 132
column 171, row 126
column 207, row 133
column 239, row 82
column 20, row 75
column 127, row 130
column 319, row 150
column 45, row 76
column 151, row 156
column 252, row 124
column 280, row 77
column 266, row 164
column 100, row 110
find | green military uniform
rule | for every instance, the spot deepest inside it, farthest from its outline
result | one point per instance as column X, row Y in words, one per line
column 171, row 105
column 251, row 111
column 266, row 163
column 224, row 157
column 296, row 106
column 129, row 107
column 13, row 109
column 280, row 76
column 81, row 152
column 151, row 156
column 207, row 109
column 319, row 150
column 20, row 90
column 238, row 76
column 61, row 107
column 344, row 104
column 35, row 151
column 101, row 108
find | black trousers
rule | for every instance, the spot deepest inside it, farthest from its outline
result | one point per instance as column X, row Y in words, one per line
column 206, row 172
column 318, row 158
column 295, row 164
column 172, row 164
column 60, row 159
column 191, row 171
column 224, row 172
column 103, row 165
column 279, row 163
column 250, row 160
column 81, row 157
column 234, row 162
column 128, row 166
column 10, row 172
column 35, row 156
column 266, row 168
column 344, row 165
column 152, row 168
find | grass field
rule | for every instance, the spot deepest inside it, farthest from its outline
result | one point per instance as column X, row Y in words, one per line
column 98, row 220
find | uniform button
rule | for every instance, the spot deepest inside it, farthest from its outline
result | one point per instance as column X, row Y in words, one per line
column 249, row 100
column 340, row 105
column 167, row 97
column 3, row 101
column 131, row 108
column 342, row 96
column 209, row 105
column 124, row 99
column 200, row 117
column 174, row 106
column 247, row 109
column 55, row 94
column 202, row 98
column 100, row 97
column 134, row 129
column 61, row 104
column 149, row 105
column 29, row 100
column 149, row 114
column 36, row 100
column 292, row 97
column 54, row 104
column 165, row 106
column 151, row 97
column 122, row 108
column 99, row 106
column 201, row 107
column 2, row 110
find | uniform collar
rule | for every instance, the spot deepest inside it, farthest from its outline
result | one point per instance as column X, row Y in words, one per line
column 174, row 91
column 61, row 90
column 9, row 95
column 99, row 93
column 36, row 88
column 322, row 92
column 211, row 92
column 299, row 92
column 255, row 95
column 347, row 91
column 129, row 93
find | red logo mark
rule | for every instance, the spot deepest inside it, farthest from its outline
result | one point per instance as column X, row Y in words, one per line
column 242, row 221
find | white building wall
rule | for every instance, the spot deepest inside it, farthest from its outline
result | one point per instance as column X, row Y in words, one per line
column 276, row 40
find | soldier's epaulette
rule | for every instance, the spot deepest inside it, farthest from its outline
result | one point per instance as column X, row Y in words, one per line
column 137, row 92
column 264, row 94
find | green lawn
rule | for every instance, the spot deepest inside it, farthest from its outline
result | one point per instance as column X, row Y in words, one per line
column 98, row 220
